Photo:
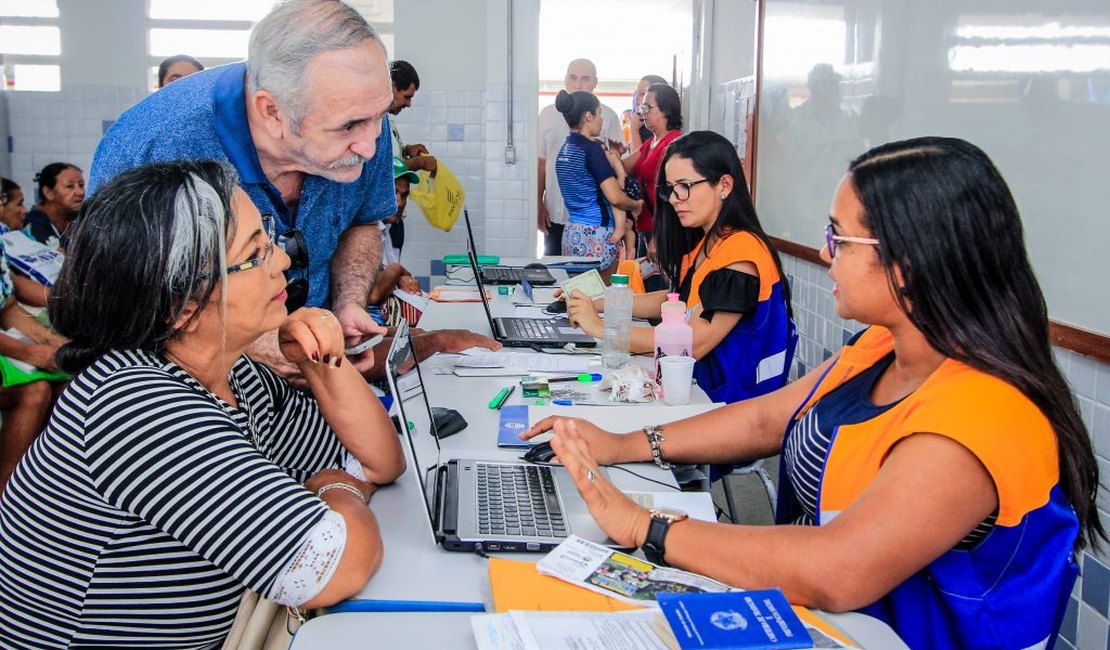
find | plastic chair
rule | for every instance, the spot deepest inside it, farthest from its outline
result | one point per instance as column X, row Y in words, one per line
column 757, row 468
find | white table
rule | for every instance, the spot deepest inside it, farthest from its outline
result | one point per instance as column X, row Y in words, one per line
column 418, row 580
column 351, row 631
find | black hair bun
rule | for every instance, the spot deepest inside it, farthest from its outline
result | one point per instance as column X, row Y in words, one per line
column 564, row 103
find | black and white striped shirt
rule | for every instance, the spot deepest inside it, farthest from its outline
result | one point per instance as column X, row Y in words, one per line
column 143, row 509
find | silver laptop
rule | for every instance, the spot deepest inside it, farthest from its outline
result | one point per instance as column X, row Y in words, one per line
column 530, row 332
column 539, row 277
column 482, row 504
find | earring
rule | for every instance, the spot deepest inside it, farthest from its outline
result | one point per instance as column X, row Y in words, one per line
column 723, row 196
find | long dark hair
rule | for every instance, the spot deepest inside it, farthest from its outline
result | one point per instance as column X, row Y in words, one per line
column 945, row 217
column 712, row 156
column 148, row 244
column 575, row 105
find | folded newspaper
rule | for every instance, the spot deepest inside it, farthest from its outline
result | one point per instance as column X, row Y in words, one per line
column 632, row 580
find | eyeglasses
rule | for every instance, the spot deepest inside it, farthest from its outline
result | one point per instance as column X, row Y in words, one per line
column 832, row 239
column 268, row 226
column 645, row 108
column 681, row 189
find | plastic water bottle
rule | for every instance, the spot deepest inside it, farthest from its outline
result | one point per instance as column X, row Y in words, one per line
column 617, row 322
column 673, row 336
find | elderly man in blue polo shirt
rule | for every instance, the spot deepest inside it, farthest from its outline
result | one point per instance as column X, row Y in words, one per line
column 301, row 121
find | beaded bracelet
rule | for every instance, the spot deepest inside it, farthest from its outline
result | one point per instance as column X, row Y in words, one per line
column 654, row 433
column 341, row 486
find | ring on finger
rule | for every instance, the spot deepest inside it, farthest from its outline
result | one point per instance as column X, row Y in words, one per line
column 590, row 476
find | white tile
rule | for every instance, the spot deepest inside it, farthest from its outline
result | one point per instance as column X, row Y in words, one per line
column 473, row 133
column 1087, row 412
column 1102, row 383
column 475, row 116
column 1091, row 630
column 1100, row 432
column 474, row 99
column 1081, row 375
column 495, row 111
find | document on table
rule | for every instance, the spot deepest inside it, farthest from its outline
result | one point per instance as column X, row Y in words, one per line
column 531, row 361
column 518, row 630
column 621, row 416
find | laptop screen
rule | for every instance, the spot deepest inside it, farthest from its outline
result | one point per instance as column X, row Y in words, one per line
column 481, row 289
column 469, row 233
column 403, row 375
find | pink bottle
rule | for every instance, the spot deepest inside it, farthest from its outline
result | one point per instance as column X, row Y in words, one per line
column 673, row 336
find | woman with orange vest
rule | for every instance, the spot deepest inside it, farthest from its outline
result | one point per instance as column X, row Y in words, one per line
column 935, row 472
column 723, row 267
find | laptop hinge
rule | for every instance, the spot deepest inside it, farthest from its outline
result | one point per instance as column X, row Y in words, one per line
column 447, row 495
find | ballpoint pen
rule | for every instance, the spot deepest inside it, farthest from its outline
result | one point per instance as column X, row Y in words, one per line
column 500, row 398
column 584, row 377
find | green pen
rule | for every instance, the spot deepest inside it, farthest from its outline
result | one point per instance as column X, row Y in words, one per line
column 500, row 398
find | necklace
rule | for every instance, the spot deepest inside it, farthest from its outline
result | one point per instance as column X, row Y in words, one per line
column 236, row 389
column 244, row 406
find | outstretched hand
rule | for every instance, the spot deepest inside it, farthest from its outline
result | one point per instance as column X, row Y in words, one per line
column 621, row 519
column 583, row 314
column 605, row 446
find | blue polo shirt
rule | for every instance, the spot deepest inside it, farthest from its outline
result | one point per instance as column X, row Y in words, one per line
column 203, row 116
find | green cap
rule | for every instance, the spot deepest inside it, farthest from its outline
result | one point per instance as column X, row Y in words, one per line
column 619, row 279
column 400, row 169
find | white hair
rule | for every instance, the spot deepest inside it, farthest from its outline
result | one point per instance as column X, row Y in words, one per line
column 284, row 42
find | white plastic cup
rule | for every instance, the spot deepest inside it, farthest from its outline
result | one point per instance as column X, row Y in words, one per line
column 678, row 373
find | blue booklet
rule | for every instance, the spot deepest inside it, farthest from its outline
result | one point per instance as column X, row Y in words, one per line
column 514, row 421
column 734, row 619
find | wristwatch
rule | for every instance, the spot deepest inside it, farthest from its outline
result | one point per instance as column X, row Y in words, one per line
column 661, row 520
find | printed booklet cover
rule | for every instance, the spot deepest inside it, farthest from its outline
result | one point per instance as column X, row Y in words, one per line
column 734, row 619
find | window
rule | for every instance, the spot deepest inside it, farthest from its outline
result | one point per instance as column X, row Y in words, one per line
column 30, row 45
column 217, row 31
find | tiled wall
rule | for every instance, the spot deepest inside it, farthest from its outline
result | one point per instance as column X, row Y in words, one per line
column 822, row 332
column 61, row 126
column 496, row 193
column 66, row 126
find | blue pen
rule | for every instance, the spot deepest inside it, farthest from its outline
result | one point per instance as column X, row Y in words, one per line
column 562, row 402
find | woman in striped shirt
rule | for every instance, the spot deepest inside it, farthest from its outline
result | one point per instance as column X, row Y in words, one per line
column 172, row 474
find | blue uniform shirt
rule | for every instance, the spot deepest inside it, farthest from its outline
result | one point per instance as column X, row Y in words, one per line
column 203, row 116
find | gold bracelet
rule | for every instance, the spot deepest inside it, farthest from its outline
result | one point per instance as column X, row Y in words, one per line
column 341, row 486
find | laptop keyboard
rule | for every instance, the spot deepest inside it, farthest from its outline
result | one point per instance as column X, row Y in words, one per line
column 530, row 329
column 502, row 274
column 518, row 500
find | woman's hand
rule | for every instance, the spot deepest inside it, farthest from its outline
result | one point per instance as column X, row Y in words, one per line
column 583, row 314
column 330, row 475
column 617, row 236
column 605, row 446
column 312, row 335
column 41, row 356
column 616, row 514
column 410, row 284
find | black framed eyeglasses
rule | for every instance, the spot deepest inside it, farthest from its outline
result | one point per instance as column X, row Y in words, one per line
column 680, row 190
column 646, row 108
column 832, row 239
column 268, row 227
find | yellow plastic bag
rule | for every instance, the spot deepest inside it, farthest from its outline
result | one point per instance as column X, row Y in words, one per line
column 440, row 198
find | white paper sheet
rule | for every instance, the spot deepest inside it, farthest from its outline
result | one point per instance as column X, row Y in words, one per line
column 533, row 361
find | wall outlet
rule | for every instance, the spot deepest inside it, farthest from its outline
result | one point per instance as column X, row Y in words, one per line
column 455, row 133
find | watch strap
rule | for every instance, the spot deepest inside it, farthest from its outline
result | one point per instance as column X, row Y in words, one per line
column 653, row 547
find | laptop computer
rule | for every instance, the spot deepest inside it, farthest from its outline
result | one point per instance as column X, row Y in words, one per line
column 540, row 277
column 530, row 332
column 484, row 505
